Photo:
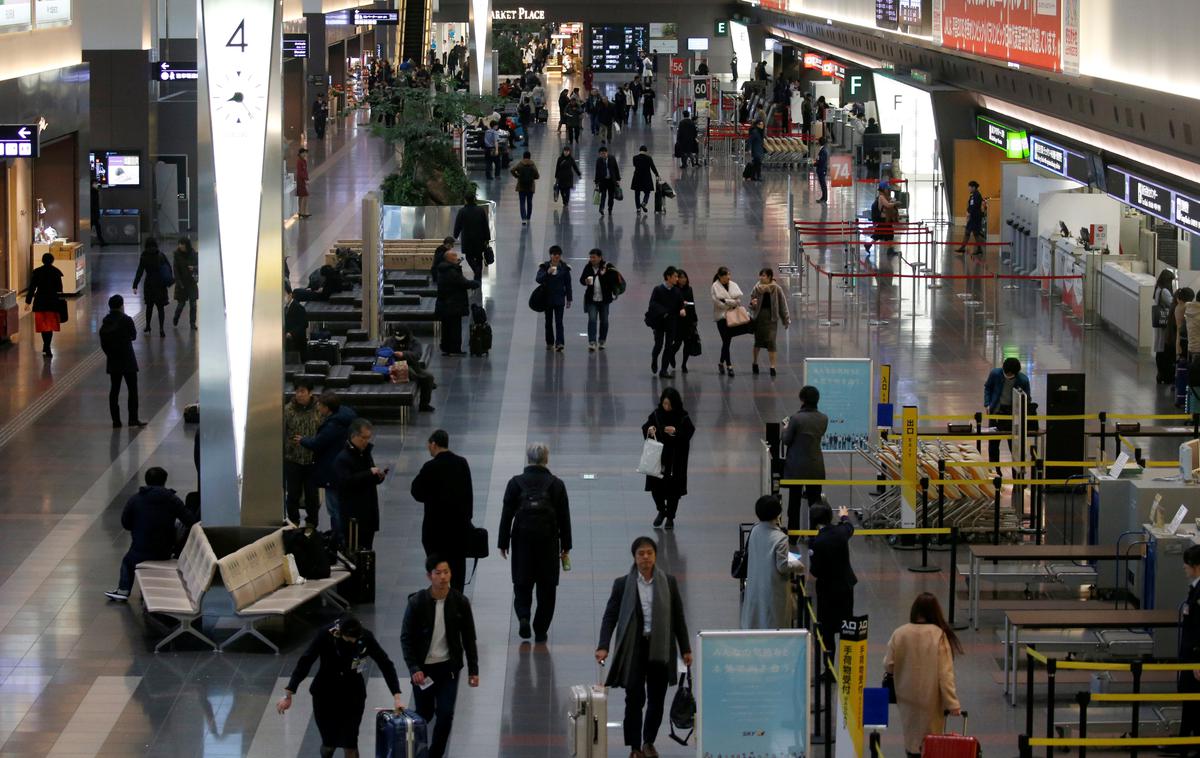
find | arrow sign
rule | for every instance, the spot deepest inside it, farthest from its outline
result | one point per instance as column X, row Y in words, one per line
column 19, row 141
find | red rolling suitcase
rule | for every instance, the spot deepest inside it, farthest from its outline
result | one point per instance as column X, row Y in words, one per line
column 951, row 745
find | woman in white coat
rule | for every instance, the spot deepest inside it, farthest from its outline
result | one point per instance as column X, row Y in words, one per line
column 726, row 298
column 920, row 655
column 769, row 602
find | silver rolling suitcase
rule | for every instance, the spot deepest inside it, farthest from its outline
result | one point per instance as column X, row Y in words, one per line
column 587, row 721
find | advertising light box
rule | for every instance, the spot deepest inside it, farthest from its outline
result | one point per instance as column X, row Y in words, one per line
column 15, row 15
column 1027, row 33
column 1187, row 213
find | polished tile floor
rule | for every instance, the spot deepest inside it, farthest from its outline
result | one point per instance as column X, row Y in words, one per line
column 77, row 675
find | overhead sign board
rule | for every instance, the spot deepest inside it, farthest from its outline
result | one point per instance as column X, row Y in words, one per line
column 1026, row 33
column 858, row 85
column 295, row 45
column 19, row 140
column 373, row 18
column 519, row 14
column 1011, row 140
column 173, row 71
column 1061, row 160
column 813, row 60
column 1187, row 213
column 1149, row 197
column 720, row 28
column 887, row 14
column 1153, row 198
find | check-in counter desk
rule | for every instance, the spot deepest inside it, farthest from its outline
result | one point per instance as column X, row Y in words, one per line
column 1123, row 505
column 1159, row 579
column 1125, row 300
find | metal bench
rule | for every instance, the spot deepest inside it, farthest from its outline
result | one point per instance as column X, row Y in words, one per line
column 176, row 588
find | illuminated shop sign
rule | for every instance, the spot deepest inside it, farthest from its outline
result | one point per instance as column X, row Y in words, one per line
column 295, row 45
column 519, row 14
column 1187, row 213
column 371, row 18
column 1011, row 140
column 19, row 140
column 813, row 60
column 1061, row 160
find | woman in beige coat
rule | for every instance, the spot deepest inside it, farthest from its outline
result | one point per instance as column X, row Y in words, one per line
column 768, row 306
column 924, row 689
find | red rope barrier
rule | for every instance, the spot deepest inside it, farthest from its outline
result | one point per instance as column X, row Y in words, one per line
column 846, row 275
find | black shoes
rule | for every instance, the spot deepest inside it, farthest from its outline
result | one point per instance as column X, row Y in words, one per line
column 669, row 525
column 426, row 409
column 721, row 369
column 138, row 422
column 117, row 424
column 772, row 371
column 754, row 369
column 658, row 520
column 121, row 596
column 666, row 374
column 524, row 632
column 541, row 637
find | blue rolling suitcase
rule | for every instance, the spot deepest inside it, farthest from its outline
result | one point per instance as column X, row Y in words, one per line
column 401, row 734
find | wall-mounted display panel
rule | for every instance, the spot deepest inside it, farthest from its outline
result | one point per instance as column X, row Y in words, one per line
column 615, row 47
column 52, row 13
column 15, row 15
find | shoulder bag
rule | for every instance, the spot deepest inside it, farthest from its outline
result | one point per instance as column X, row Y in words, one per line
column 683, row 709
column 475, row 547
column 651, row 462
column 738, row 316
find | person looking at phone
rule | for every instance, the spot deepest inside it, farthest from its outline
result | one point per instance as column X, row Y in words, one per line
column 357, row 479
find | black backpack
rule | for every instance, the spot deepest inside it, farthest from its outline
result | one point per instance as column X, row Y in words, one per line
column 876, row 211
column 308, row 548
column 535, row 517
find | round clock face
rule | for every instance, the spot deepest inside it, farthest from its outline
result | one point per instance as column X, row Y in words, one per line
column 238, row 98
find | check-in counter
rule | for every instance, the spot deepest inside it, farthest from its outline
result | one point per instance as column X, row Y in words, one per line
column 1123, row 505
column 1125, row 300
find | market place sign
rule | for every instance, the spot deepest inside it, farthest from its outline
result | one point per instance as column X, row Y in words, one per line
column 520, row 14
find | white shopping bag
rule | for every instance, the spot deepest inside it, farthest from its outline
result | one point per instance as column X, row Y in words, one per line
column 651, row 463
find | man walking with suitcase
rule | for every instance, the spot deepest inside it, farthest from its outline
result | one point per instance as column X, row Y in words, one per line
column 444, row 487
column 437, row 634
column 646, row 611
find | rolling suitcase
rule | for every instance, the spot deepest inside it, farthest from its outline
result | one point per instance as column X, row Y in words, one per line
column 400, row 734
column 479, row 337
column 324, row 350
column 658, row 199
column 951, row 745
column 587, row 721
column 360, row 587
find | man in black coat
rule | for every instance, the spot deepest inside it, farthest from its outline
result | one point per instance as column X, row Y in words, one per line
column 1189, row 645
column 452, row 302
column 608, row 176
column 830, row 566
column 666, row 308
column 326, row 446
column 474, row 233
column 434, row 652
column 295, row 327
column 150, row 517
column 686, row 145
column 117, row 333
column 357, row 479
column 537, row 519
column 443, row 485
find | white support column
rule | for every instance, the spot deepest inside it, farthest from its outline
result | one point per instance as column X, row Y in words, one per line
column 240, row 103
column 480, row 19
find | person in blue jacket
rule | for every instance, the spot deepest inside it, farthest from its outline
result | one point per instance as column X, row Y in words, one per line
column 555, row 276
column 329, row 440
column 998, row 399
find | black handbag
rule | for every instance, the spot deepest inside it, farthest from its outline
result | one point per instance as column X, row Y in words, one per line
column 539, row 299
column 692, row 345
column 489, row 255
column 683, row 709
column 62, row 311
column 889, row 684
column 737, row 568
column 476, row 547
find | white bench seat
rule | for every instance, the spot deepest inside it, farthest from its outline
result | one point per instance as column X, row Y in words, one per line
column 176, row 588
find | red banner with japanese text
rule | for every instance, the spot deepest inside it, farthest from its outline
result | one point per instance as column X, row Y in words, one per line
column 1028, row 32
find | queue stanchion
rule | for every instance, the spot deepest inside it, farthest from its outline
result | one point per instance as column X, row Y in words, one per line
column 996, row 482
column 1135, row 669
column 1039, row 494
column 941, row 519
column 1029, row 667
column 829, row 710
column 1025, row 751
column 924, row 568
column 1103, row 416
column 829, row 304
column 978, row 431
column 1051, row 676
column 1084, row 698
column 952, row 601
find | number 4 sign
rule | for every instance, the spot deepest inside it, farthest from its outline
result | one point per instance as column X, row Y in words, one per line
column 841, row 171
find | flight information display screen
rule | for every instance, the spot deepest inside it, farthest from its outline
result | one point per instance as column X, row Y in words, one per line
column 615, row 47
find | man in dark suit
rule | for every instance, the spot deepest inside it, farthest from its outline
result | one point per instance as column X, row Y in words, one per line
column 608, row 176
column 802, row 437
column 666, row 308
column 358, row 480
column 1189, row 646
column 295, row 327
column 646, row 611
column 117, row 333
column 830, row 565
column 537, row 519
column 443, row 485
column 452, row 304
column 473, row 231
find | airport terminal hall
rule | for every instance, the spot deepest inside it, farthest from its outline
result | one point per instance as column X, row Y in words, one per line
column 348, row 409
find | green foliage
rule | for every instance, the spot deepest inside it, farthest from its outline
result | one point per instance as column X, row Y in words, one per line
column 510, row 55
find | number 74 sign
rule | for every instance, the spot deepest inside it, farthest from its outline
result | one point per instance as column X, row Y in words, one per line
column 841, row 170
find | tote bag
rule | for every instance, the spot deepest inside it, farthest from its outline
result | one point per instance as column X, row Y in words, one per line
column 651, row 463
column 738, row 316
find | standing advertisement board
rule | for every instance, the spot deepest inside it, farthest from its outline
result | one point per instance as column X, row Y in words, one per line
column 852, row 679
column 846, row 386
column 1028, row 32
column 752, row 693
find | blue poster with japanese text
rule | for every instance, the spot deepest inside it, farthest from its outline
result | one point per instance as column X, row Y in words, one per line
column 846, row 386
column 752, row 694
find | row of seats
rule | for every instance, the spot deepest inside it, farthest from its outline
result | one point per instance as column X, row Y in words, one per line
column 255, row 575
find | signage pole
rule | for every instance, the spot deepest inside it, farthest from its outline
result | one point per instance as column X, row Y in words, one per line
column 908, row 467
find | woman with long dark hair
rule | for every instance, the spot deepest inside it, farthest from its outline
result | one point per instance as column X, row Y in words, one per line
column 186, row 290
column 688, row 335
column 671, row 425
column 726, row 297
column 44, row 296
column 1161, row 304
column 920, row 655
column 768, row 306
column 151, row 265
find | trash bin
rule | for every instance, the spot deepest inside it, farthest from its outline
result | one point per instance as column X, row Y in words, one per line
column 8, row 315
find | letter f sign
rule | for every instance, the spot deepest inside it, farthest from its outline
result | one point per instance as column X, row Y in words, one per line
column 855, row 84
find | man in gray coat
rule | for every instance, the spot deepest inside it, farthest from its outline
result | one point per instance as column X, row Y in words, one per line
column 802, row 438
column 769, row 602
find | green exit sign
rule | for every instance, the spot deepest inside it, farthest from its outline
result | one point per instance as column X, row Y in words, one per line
column 721, row 28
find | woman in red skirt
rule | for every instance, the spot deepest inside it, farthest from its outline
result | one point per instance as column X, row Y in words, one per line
column 45, row 297
column 302, row 181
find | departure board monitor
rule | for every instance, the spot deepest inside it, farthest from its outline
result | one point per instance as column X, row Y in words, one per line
column 615, row 48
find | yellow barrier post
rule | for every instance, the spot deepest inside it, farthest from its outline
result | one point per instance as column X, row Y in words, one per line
column 908, row 466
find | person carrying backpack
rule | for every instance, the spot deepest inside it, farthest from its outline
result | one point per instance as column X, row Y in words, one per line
column 526, row 174
column 536, row 521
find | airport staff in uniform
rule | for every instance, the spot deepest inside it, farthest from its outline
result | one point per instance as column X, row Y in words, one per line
column 339, row 690
column 1189, row 647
